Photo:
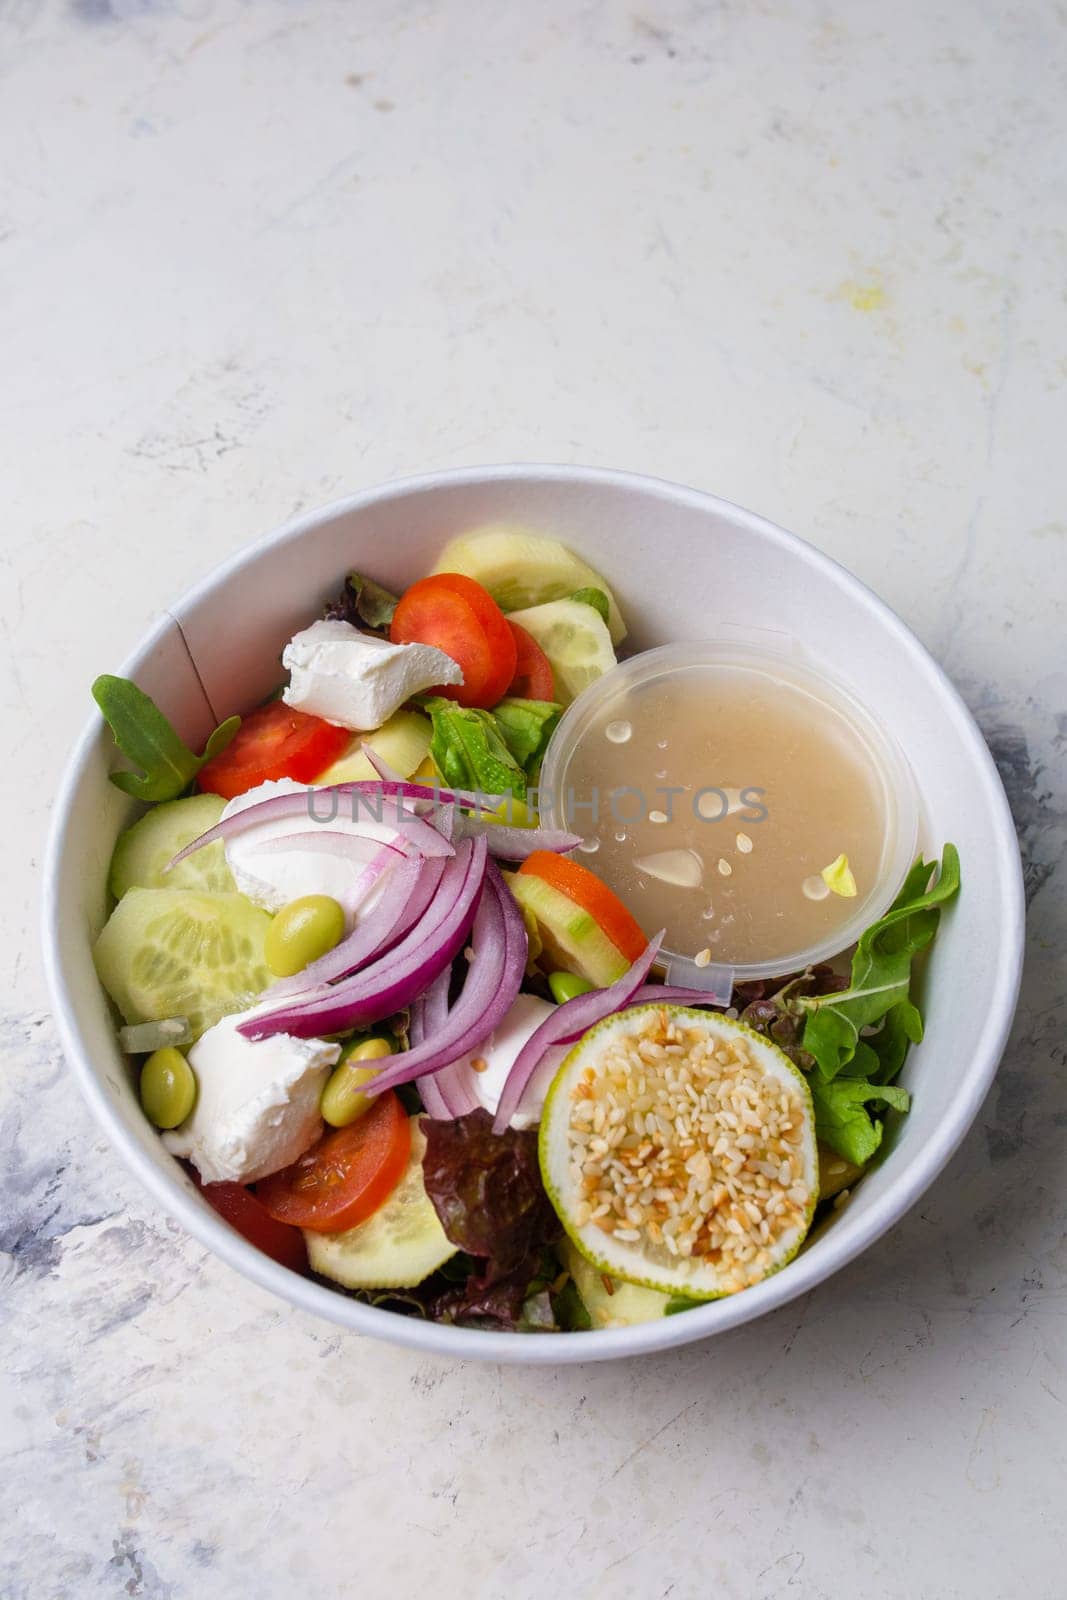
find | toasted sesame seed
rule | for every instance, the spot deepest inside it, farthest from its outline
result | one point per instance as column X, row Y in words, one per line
column 479, row 1064
column 724, row 867
column 657, row 816
column 702, row 958
column 692, row 1150
column 744, row 843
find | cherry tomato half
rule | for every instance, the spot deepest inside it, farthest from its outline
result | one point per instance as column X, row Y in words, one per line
column 593, row 895
column 533, row 678
column 461, row 618
column 347, row 1175
column 249, row 1216
column 274, row 741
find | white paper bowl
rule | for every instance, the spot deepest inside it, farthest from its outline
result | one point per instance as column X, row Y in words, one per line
column 676, row 559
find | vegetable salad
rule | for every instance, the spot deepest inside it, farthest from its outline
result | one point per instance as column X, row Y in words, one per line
column 404, row 1037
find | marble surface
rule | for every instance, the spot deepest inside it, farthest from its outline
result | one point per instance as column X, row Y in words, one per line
column 808, row 255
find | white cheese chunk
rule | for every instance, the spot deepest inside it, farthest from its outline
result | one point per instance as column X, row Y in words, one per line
column 356, row 680
column 499, row 1054
column 257, row 1102
column 271, row 878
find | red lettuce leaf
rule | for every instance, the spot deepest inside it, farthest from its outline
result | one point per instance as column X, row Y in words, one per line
column 486, row 1189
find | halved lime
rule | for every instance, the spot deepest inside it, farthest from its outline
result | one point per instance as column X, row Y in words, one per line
column 678, row 1147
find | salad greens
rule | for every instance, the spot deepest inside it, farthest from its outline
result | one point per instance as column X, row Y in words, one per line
column 526, row 726
column 852, row 1037
column 363, row 603
column 487, row 1191
column 469, row 751
column 146, row 738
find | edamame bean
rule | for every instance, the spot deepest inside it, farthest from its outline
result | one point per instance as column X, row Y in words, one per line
column 168, row 1087
column 568, row 986
column 302, row 932
column 343, row 1100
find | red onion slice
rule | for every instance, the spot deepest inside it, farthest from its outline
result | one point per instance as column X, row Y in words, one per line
column 398, row 826
column 428, row 1016
column 396, row 784
column 456, row 1094
column 515, row 844
column 568, row 1022
column 397, row 978
column 510, row 844
column 671, row 995
column 333, row 840
column 493, row 979
column 376, row 856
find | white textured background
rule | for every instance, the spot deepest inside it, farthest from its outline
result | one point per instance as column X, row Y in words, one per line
column 808, row 255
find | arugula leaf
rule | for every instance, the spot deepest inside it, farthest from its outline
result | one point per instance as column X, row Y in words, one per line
column 879, row 1056
column 880, row 977
column 363, row 603
column 469, row 752
column 526, row 727
column 842, row 1119
column 595, row 598
column 851, row 1036
column 147, row 739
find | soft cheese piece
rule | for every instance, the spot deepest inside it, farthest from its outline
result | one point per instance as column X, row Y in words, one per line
column 271, row 877
column 499, row 1054
column 257, row 1102
column 356, row 680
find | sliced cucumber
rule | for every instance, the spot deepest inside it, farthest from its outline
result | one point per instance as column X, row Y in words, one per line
column 620, row 1306
column 175, row 953
column 402, row 743
column 835, row 1173
column 398, row 1247
column 144, row 850
column 521, row 569
column 576, row 641
column 571, row 939
column 723, row 1186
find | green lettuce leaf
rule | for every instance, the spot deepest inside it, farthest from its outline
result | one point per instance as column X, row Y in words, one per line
column 842, row 1118
column 526, row 727
column 469, row 752
column 147, row 739
column 363, row 603
column 880, row 979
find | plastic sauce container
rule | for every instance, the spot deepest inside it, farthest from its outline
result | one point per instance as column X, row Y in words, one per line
column 717, row 786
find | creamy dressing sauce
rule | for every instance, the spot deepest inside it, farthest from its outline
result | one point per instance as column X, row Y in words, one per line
column 718, row 808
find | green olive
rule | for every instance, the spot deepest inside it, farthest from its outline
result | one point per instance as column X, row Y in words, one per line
column 568, row 986
column 302, row 932
column 343, row 1099
column 168, row 1087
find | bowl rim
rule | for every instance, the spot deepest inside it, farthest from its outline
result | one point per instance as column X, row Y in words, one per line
column 842, row 1245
